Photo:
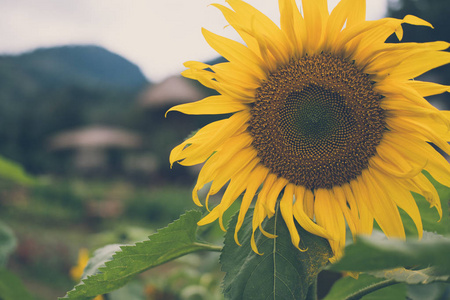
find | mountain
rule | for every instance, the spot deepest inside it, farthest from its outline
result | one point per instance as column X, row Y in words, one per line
column 91, row 66
column 50, row 90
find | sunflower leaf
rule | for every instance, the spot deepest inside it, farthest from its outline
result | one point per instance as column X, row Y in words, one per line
column 348, row 287
column 377, row 253
column 282, row 272
column 177, row 239
column 433, row 291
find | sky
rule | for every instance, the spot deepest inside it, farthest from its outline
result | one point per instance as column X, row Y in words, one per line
column 157, row 35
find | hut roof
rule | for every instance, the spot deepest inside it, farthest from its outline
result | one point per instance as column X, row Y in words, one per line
column 95, row 137
column 173, row 90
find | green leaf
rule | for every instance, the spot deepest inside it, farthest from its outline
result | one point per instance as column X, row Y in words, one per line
column 378, row 253
column 376, row 288
column 282, row 272
column 14, row 172
column 433, row 291
column 8, row 243
column 177, row 239
column 99, row 258
column 393, row 292
column 11, row 287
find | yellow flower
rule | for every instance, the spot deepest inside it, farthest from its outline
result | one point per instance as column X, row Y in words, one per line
column 83, row 258
column 324, row 113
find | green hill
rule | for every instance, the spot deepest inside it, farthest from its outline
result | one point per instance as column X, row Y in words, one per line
column 54, row 89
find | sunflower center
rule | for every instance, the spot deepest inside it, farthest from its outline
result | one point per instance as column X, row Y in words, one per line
column 317, row 121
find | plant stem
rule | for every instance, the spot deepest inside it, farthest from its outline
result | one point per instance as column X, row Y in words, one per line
column 208, row 247
column 374, row 287
column 312, row 291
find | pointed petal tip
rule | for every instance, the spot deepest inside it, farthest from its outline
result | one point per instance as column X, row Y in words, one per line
column 253, row 244
column 236, row 239
column 410, row 19
column 170, row 109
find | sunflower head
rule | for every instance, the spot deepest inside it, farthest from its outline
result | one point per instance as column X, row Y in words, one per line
column 327, row 120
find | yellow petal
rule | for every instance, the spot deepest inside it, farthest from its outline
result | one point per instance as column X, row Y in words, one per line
column 200, row 137
column 357, row 12
column 234, row 52
column 308, row 203
column 206, row 175
column 329, row 216
column 357, row 190
column 237, row 21
column 211, row 106
column 258, row 176
column 336, row 21
column 392, row 161
column 340, row 198
column 418, row 64
column 261, row 203
column 373, row 33
column 208, row 139
column 305, row 221
column 424, row 187
column 273, row 194
column 426, row 89
column 286, row 205
column 351, row 12
column 413, row 20
column 293, row 24
column 237, row 185
column 350, row 33
column 400, row 106
column 234, row 189
column 402, row 199
column 382, row 206
column 227, row 168
column 394, row 89
column 417, row 150
column 210, row 80
column 315, row 13
column 236, row 75
column 351, row 202
column 415, row 128
column 204, row 77
column 196, row 65
column 264, row 31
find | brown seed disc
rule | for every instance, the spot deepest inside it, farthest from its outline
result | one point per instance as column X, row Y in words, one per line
column 317, row 121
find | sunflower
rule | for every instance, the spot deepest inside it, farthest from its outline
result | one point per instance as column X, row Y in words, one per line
column 326, row 119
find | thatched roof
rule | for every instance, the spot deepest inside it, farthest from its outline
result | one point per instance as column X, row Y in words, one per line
column 173, row 90
column 95, row 137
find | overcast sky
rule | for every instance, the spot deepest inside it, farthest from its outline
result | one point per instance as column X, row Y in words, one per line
column 157, row 35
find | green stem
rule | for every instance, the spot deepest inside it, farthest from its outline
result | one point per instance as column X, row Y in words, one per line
column 208, row 247
column 312, row 291
column 374, row 287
